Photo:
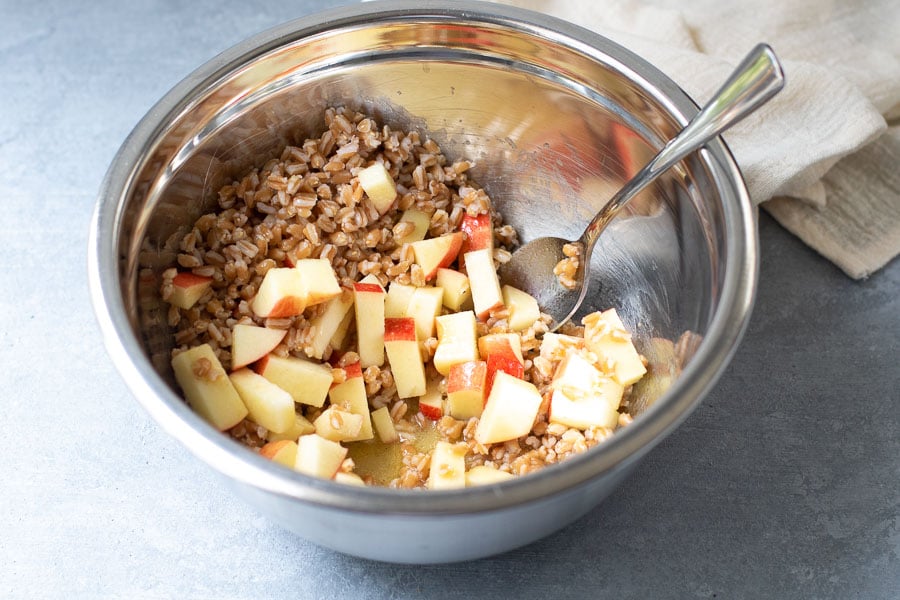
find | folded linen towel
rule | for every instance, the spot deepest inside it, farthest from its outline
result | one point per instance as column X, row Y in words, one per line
column 823, row 157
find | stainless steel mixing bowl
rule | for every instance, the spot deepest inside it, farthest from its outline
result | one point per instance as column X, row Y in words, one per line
column 555, row 118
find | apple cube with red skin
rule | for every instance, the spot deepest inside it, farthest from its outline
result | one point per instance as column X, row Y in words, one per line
column 402, row 346
column 249, row 343
column 284, row 452
column 511, row 409
column 321, row 281
column 326, row 324
column 448, row 466
column 433, row 253
column 420, row 220
column 582, row 396
column 351, row 397
column 502, row 352
column 368, row 298
column 456, row 340
column 301, row 426
column 606, row 336
column 282, row 293
column 431, row 404
column 486, row 294
column 319, row 457
column 188, row 288
column 207, row 388
column 424, row 306
column 338, row 425
column 523, row 308
column 457, row 291
column 384, row 426
column 485, row 475
column 397, row 299
column 466, row 385
column 379, row 186
column 306, row 381
column 479, row 233
column 268, row 404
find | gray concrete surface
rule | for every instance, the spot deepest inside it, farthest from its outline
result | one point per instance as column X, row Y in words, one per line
column 785, row 483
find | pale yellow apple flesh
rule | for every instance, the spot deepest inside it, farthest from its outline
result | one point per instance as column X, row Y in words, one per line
column 351, row 396
column 511, row 409
column 338, row 425
column 384, row 426
column 457, row 291
column 188, row 288
column 268, row 404
column 448, row 466
column 606, row 336
column 431, row 404
column 466, row 384
column 397, row 299
column 282, row 293
column 379, row 186
column 484, row 475
column 368, row 298
column 424, row 306
column 420, row 220
column 319, row 457
column 582, row 396
column 327, row 323
column 284, row 452
column 320, row 279
column 523, row 308
column 402, row 346
column 486, row 294
column 306, row 381
column 301, row 426
column 249, row 343
column 207, row 388
column 457, row 340
column 433, row 253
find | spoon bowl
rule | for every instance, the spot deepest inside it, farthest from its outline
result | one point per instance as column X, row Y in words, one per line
column 532, row 267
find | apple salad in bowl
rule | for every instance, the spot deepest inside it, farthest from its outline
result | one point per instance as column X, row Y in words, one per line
column 341, row 313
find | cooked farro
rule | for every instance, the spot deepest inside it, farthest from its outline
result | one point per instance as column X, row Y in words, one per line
column 308, row 203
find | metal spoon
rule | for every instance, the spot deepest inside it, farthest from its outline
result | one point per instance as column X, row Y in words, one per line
column 757, row 79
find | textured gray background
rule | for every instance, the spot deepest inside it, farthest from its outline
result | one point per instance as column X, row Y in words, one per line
column 785, row 483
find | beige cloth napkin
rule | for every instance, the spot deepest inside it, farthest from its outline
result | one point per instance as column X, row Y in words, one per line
column 824, row 156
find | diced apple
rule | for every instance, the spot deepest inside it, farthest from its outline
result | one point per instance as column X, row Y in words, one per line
column 498, row 363
column 511, row 409
column 349, row 478
column 282, row 293
column 448, row 466
column 306, row 381
column 466, row 386
column 268, row 404
column 582, row 396
column 319, row 457
column 431, row 405
column 555, row 345
column 457, row 291
column 434, row 253
column 479, row 233
column 338, row 425
column 606, row 336
column 283, row 452
column 456, row 340
column 368, row 297
column 402, row 346
column 384, row 426
column 485, row 475
column 379, row 186
column 503, row 344
column 397, row 299
column 339, row 339
column 326, row 324
column 301, row 426
column 486, row 294
column 424, row 306
column 421, row 221
column 207, row 388
column 187, row 288
column 351, row 397
column 523, row 308
column 321, row 281
column 249, row 343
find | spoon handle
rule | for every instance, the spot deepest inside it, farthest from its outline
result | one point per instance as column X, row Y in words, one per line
column 753, row 82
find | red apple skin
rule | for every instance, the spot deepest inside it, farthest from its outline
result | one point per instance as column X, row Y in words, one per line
column 479, row 232
column 431, row 412
column 467, row 375
column 507, row 364
column 399, row 329
column 368, row 287
column 187, row 279
column 353, row 370
column 288, row 307
column 272, row 448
